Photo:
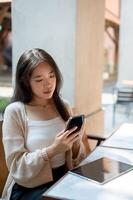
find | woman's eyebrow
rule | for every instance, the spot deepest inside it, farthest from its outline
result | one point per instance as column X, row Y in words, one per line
column 51, row 72
column 38, row 76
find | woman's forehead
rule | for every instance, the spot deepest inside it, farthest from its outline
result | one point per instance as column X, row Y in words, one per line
column 43, row 68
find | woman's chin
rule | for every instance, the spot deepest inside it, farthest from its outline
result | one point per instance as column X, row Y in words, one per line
column 48, row 96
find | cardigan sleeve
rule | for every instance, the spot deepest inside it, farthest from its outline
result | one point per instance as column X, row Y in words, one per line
column 28, row 169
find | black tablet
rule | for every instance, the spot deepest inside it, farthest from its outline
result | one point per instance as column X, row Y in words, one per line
column 102, row 170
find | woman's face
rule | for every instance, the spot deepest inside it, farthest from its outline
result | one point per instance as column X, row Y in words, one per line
column 43, row 81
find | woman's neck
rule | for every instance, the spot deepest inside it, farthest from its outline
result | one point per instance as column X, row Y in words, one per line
column 42, row 103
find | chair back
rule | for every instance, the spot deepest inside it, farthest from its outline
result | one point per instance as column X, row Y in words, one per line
column 124, row 95
column 3, row 167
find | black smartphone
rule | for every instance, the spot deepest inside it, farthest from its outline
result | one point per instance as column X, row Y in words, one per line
column 75, row 121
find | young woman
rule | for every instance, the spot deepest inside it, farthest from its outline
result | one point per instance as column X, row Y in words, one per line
column 38, row 149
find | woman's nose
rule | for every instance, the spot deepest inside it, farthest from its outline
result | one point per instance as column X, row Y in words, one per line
column 47, row 82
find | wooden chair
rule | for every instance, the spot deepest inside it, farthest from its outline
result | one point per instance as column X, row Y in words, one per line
column 97, row 138
column 3, row 167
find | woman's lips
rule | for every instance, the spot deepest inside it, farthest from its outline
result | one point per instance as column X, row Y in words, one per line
column 47, row 92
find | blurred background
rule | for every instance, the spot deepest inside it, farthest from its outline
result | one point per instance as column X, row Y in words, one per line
column 92, row 42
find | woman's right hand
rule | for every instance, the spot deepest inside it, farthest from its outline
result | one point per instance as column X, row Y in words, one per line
column 63, row 142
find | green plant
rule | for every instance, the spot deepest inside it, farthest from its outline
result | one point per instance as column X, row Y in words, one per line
column 3, row 103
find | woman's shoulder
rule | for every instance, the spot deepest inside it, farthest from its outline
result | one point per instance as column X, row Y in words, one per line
column 15, row 106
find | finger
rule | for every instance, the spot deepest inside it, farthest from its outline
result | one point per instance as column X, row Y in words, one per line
column 68, row 132
column 74, row 138
column 61, row 133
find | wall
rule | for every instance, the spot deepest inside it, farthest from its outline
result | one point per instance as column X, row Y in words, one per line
column 125, row 67
column 89, row 60
column 73, row 32
column 112, row 10
column 49, row 25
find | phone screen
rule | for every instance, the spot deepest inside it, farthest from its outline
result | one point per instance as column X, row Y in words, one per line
column 75, row 121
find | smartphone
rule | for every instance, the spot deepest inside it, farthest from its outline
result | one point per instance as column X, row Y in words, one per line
column 75, row 121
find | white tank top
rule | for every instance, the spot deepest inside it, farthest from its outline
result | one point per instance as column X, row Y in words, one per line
column 41, row 134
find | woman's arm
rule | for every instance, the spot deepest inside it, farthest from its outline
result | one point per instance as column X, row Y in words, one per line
column 29, row 169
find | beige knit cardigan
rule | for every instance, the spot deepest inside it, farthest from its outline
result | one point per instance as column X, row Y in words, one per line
column 26, row 168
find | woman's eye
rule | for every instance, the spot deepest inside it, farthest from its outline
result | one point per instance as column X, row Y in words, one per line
column 52, row 76
column 38, row 80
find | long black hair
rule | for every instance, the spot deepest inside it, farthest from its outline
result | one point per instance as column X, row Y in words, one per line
column 28, row 61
